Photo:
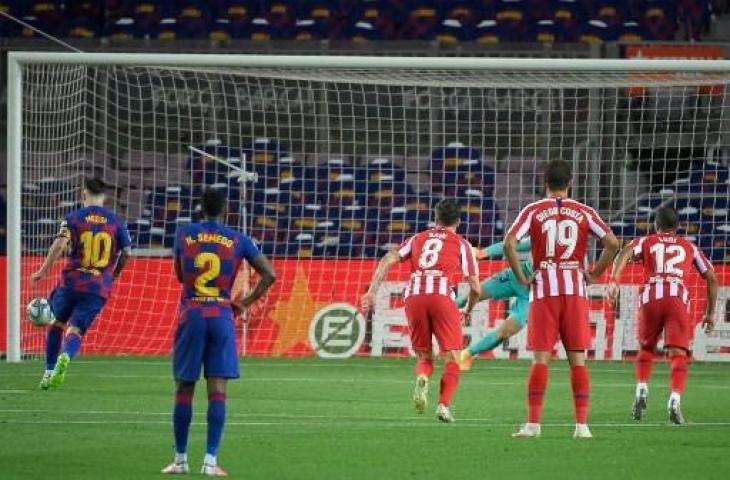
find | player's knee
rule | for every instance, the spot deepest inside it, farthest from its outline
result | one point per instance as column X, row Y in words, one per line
column 73, row 330
column 541, row 357
column 424, row 355
column 451, row 356
column 675, row 352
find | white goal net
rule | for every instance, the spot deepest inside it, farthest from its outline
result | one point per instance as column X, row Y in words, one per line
column 345, row 163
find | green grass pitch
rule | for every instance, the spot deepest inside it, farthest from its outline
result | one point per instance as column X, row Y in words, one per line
column 353, row 419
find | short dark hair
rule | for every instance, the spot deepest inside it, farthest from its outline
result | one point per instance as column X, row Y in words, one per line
column 212, row 202
column 666, row 218
column 448, row 212
column 94, row 186
column 558, row 174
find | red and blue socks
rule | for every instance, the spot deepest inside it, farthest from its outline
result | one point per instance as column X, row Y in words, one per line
column 181, row 417
column 216, row 420
column 536, row 386
column 54, row 338
column 72, row 344
column 449, row 382
column 581, row 383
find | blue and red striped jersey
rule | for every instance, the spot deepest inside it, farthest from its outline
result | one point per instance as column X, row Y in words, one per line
column 97, row 235
column 210, row 255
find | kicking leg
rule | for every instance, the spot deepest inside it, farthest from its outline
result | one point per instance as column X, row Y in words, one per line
column 54, row 338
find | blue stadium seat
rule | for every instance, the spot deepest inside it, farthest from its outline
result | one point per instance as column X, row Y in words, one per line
column 546, row 31
column 513, row 18
column 596, row 32
column 308, row 30
column 452, row 32
column 47, row 15
column 420, row 17
column 467, row 12
column 193, row 18
column 709, row 173
column 379, row 169
column 632, row 32
column 323, row 12
column 362, row 32
column 570, row 16
column 611, row 12
column 281, row 15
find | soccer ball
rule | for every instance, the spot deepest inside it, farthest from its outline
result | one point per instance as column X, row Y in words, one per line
column 39, row 312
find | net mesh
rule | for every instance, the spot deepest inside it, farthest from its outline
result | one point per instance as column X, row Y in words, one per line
column 345, row 164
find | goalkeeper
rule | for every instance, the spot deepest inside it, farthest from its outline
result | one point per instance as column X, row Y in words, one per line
column 503, row 285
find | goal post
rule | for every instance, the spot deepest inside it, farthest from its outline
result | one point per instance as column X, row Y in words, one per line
column 350, row 154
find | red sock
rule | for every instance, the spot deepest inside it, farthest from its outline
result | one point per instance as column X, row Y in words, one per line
column 643, row 365
column 678, row 373
column 581, row 382
column 536, row 385
column 424, row 367
column 449, row 382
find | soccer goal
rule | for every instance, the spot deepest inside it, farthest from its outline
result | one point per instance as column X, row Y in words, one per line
column 330, row 161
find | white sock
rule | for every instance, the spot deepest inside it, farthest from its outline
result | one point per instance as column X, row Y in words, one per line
column 642, row 387
column 210, row 459
column 181, row 457
column 48, row 372
column 674, row 397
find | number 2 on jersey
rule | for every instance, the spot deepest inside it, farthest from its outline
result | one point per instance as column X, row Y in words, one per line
column 210, row 264
column 667, row 258
column 430, row 253
column 564, row 233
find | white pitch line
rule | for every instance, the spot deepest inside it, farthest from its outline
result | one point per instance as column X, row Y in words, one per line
column 14, row 391
column 364, row 424
column 334, row 418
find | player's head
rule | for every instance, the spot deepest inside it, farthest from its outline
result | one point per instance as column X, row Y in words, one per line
column 558, row 176
column 448, row 213
column 666, row 219
column 213, row 202
column 94, row 190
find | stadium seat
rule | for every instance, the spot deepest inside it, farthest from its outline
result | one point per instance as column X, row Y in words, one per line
column 611, row 12
column 452, row 32
column 382, row 15
column 324, row 13
column 420, row 18
column 570, row 16
column 362, row 32
column 659, row 18
column 513, row 18
column 596, row 32
column 467, row 12
column 193, row 18
column 632, row 32
column 47, row 15
column 546, row 31
column 307, row 30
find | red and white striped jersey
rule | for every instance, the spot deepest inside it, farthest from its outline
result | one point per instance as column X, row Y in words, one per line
column 667, row 258
column 439, row 259
column 558, row 229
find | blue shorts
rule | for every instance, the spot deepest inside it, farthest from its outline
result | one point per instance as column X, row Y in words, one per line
column 77, row 308
column 208, row 342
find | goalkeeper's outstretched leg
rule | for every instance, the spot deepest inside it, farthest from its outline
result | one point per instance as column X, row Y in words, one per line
column 503, row 285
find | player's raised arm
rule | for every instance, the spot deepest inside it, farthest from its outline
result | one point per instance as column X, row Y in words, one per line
column 58, row 247
column 265, row 269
